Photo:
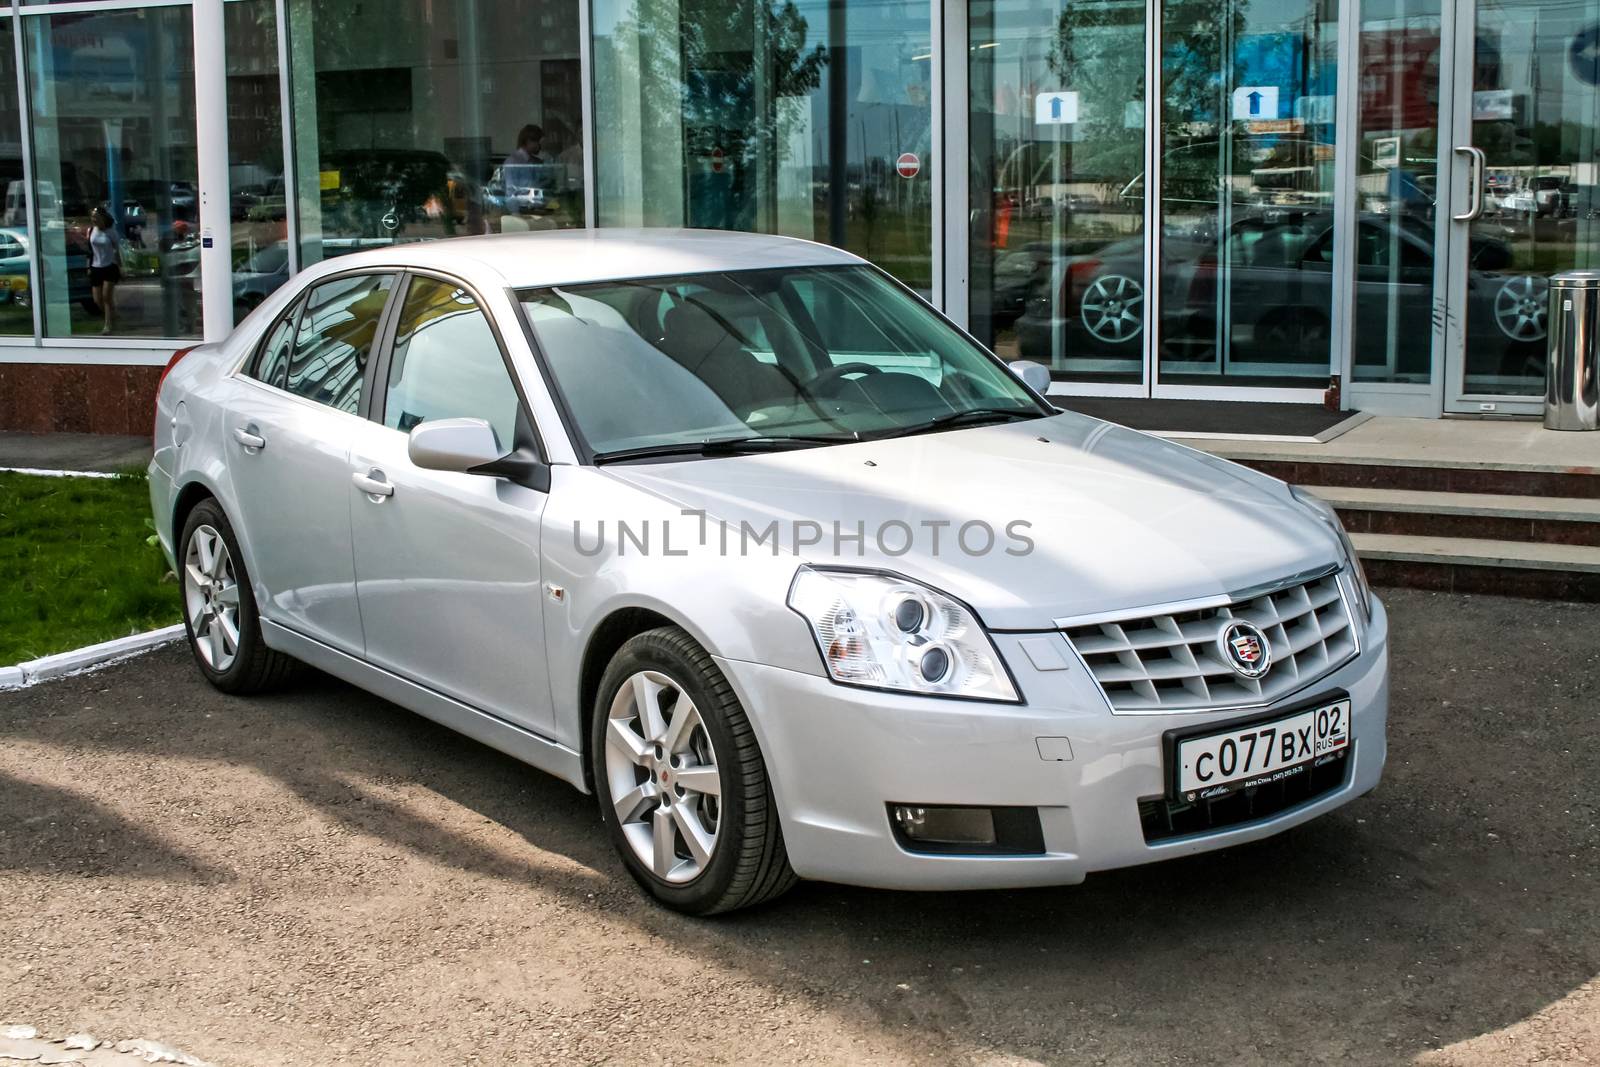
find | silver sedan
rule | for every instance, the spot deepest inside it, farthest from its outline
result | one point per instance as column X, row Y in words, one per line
column 741, row 536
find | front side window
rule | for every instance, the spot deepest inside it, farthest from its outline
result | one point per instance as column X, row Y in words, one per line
column 447, row 363
column 337, row 331
column 794, row 355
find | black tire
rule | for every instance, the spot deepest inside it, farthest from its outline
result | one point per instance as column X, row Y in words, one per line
column 1284, row 332
column 255, row 667
column 748, row 864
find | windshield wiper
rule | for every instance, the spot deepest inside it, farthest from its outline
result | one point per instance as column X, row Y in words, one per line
column 722, row 446
column 969, row 417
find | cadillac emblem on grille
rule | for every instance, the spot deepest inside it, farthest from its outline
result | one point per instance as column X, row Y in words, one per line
column 1245, row 649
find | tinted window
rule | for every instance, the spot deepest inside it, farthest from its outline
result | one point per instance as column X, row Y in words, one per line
column 272, row 365
column 447, row 364
column 337, row 330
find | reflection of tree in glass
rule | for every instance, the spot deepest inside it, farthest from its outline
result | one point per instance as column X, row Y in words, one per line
column 1099, row 50
column 711, row 64
column 1198, row 36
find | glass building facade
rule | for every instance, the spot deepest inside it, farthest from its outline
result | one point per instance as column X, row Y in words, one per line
column 1232, row 199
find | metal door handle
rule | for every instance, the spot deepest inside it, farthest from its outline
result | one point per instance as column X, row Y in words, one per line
column 372, row 483
column 248, row 438
column 1475, row 186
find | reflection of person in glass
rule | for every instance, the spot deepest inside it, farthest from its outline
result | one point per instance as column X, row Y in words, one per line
column 105, row 264
column 529, row 139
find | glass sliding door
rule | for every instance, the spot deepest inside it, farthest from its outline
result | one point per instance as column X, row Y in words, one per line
column 1396, row 193
column 1246, row 192
column 810, row 118
column 1057, row 142
column 1526, row 166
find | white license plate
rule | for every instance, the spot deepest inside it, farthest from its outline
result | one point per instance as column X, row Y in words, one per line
column 1263, row 752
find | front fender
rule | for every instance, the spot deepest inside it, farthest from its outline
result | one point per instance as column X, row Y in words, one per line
column 733, row 605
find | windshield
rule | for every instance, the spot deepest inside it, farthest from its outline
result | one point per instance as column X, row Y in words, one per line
column 796, row 354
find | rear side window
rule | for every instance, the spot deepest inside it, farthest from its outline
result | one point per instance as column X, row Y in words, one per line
column 337, row 330
column 272, row 364
column 447, row 363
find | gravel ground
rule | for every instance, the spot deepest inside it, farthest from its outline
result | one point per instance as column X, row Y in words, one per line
column 319, row 877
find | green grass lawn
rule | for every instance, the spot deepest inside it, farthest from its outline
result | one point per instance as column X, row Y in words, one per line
column 75, row 567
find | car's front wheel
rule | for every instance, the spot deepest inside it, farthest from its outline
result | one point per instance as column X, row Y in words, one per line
column 219, row 608
column 683, row 789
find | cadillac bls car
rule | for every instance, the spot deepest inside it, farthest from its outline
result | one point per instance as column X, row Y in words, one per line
column 739, row 535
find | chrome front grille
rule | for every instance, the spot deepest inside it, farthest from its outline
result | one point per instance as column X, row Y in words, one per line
column 1174, row 662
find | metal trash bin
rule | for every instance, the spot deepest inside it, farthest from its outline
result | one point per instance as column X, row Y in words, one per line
column 1572, row 394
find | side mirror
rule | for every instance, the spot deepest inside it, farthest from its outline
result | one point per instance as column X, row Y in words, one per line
column 461, row 445
column 1035, row 376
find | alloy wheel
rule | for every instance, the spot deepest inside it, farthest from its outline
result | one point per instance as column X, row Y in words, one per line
column 662, row 777
column 1113, row 308
column 211, row 598
column 1522, row 308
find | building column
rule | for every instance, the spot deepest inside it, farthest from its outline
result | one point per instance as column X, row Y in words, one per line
column 211, row 132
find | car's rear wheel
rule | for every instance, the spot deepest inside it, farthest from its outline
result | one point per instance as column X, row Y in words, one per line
column 1112, row 308
column 683, row 789
column 219, row 608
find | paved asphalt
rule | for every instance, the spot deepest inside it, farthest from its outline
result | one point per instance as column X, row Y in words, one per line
column 319, row 877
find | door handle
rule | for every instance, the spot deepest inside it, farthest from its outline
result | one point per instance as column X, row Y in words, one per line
column 249, row 438
column 372, row 483
column 1475, row 185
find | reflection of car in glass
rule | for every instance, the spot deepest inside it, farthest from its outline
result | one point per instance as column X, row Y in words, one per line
column 1543, row 197
column 1583, row 201
column 259, row 276
column 16, row 211
column 380, row 191
column 395, row 468
column 13, row 263
column 523, row 188
column 76, row 264
column 262, row 202
column 1279, row 269
column 1549, row 196
column 1014, row 272
column 170, row 202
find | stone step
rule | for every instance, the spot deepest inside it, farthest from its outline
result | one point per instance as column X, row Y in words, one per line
column 1578, row 483
column 1491, row 516
column 1481, row 565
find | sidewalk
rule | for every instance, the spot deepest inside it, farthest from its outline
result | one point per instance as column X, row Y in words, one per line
column 1480, row 444
column 74, row 451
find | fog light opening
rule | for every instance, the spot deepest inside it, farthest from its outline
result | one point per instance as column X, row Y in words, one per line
column 967, row 830
column 946, row 826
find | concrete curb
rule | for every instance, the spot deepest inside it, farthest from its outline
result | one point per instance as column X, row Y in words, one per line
column 43, row 472
column 87, row 658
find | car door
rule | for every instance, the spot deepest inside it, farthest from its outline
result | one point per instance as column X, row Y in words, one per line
column 447, row 564
column 293, row 413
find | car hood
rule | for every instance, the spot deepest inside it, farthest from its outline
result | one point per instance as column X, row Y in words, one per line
column 1116, row 519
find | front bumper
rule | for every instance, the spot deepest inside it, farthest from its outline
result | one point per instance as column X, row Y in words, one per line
column 839, row 756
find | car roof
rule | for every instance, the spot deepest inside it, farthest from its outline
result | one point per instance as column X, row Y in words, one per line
column 567, row 257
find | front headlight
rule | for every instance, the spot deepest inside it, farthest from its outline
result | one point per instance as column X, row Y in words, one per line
column 1352, row 562
column 885, row 632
